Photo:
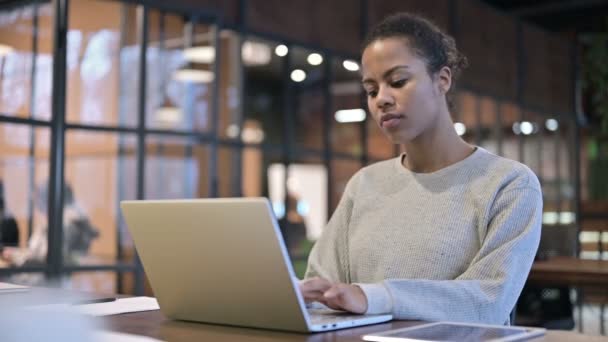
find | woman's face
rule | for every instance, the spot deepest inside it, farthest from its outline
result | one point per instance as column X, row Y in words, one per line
column 401, row 95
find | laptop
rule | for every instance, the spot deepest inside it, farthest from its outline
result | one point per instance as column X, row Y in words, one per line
column 223, row 261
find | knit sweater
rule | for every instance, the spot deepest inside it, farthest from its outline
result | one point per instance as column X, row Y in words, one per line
column 456, row 244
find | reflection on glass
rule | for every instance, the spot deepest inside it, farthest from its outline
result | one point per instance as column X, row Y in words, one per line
column 510, row 118
column 175, row 168
column 180, row 73
column 342, row 170
column 299, row 200
column 253, row 54
column 265, row 91
column 96, row 45
column 467, row 111
column 308, row 100
column 21, row 94
column 530, row 129
column 347, row 110
column 94, row 231
column 93, row 282
column 379, row 146
column 24, row 155
column 228, row 172
column 490, row 126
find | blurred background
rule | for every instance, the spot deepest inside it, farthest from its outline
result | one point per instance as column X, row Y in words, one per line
column 103, row 101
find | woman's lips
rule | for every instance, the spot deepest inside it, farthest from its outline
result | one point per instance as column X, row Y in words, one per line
column 390, row 120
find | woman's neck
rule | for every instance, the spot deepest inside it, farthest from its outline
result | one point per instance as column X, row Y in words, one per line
column 436, row 148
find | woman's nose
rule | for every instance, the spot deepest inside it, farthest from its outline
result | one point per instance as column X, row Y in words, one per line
column 384, row 98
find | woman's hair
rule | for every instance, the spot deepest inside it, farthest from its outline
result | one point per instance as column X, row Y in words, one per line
column 424, row 37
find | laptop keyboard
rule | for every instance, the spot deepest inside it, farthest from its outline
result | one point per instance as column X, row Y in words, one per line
column 327, row 316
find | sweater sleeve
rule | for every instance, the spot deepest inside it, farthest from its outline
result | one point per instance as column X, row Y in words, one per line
column 488, row 289
column 329, row 256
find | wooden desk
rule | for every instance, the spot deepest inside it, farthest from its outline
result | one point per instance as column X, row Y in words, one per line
column 573, row 272
column 570, row 271
column 154, row 324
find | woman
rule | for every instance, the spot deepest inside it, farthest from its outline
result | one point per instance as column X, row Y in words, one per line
column 446, row 231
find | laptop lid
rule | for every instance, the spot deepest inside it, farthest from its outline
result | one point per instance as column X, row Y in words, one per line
column 217, row 261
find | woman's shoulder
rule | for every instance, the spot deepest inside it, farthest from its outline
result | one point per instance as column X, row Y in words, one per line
column 507, row 173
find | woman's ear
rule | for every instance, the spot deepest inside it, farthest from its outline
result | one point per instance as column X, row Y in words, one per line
column 444, row 79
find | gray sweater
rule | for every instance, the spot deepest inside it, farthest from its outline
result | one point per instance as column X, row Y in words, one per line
column 456, row 244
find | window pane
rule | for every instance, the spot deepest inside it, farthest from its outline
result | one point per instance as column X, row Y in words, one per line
column 347, row 114
column 94, row 231
column 302, row 213
column 20, row 94
column 342, row 170
column 103, row 63
column 264, row 107
column 530, row 128
column 230, row 82
column 24, row 163
column 467, row 112
column 490, row 127
column 549, row 165
column 93, row 282
column 229, row 160
column 180, row 73
column 510, row 117
column 307, row 77
column 379, row 146
column 176, row 168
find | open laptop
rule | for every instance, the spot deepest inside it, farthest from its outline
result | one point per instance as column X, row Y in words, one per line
column 223, row 261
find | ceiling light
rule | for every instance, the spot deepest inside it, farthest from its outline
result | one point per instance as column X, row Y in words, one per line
column 516, row 128
column 256, row 54
column 552, row 125
column 350, row 115
column 460, row 128
column 314, row 59
column 168, row 115
column 298, row 75
column 194, row 76
column 526, row 128
column 350, row 65
column 281, row 50
column 232, row 131
column 252, row 135
column 200, row 54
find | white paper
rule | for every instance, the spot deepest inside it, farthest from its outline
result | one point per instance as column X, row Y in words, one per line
column 110, row 336
column 119, row 306
column 10, row 288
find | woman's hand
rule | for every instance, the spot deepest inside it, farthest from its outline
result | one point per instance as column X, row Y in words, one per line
column 338, row 296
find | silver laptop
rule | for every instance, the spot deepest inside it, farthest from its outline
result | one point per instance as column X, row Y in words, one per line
column 223, row 261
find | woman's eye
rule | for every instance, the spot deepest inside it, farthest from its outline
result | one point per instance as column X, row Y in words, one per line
column 372, row 93
column 399, row 83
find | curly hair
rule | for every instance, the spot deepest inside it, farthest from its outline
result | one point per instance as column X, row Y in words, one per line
column 437, row 48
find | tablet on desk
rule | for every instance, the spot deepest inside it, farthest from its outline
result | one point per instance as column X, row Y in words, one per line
column 449, row 331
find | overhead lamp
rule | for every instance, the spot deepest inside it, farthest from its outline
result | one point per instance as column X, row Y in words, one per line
column 169, row 115
column 526, row 128
column 552, row 125
column 350, row 65
column 254, row 53
column 281, row 50
column 298, row 75
column 314, row 59
column 194, row 76
column 350, row 115
column 200, row 54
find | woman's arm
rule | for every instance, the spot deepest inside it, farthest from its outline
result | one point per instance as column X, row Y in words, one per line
column 488, row 290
